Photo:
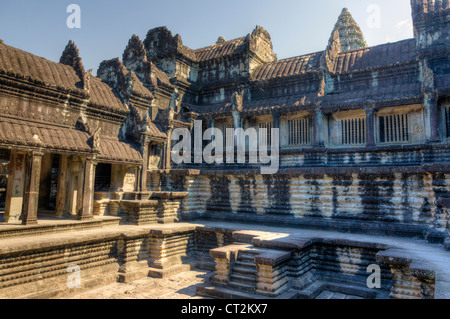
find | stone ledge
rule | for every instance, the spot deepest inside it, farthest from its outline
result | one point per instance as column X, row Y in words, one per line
column 226, row 251
column 272, row 258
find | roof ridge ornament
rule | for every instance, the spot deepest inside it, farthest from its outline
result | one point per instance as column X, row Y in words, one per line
column 71, row 57
column 237, row 101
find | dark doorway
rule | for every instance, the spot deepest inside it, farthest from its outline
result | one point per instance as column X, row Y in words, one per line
column 102, row 177
column 48, row 183
column 4, row 165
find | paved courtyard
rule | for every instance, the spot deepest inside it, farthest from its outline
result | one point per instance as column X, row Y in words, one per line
column 179, row 286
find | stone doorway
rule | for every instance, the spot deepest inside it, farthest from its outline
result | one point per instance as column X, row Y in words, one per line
column 4, row 164
column 48, row 185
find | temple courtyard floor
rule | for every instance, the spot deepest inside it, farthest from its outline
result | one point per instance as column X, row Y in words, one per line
column 179, row 286
column 183, row 285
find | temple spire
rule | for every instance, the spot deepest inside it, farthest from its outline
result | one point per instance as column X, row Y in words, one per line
column 350, row 34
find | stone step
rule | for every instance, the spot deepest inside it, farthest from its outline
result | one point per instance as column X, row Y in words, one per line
column 246, row 271
column 246, row 258
column 245, row 279
column 244, row 264
column 239, row 286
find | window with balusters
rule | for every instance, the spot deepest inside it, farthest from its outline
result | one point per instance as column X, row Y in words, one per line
column 265, row 134
column 394, row 128
column 401, row 125
column 353, row 131
column 299, row 131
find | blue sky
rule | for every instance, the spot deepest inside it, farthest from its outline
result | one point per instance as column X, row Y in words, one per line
column 296, row 26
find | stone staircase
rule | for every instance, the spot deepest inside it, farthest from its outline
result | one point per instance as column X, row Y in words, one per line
column 245, row 271
column 243, row 276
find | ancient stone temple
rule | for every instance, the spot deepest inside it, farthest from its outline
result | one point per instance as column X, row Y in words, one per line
column 88, row 181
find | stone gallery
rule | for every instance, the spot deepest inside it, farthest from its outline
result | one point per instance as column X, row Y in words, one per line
column 359, row 206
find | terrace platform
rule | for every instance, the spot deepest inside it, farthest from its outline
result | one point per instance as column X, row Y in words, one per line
column 34, row 259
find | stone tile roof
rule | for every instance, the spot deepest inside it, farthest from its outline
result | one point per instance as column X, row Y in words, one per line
column 386, row 94
column 159, row 77
column 57, row 75
column 29, row 134
column 35, row 68
column 101, row 94
column 288, row 67
column 114, row 150
column 155, row 132
column 19, row 133
column 384, row 55
column 219, row 50
column 259, row 106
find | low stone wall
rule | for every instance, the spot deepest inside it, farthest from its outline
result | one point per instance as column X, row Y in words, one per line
column 397, row 202
column 38, row 266
column 140, row 208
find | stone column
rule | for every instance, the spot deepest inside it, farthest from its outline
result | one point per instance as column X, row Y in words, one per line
column 30, row 204
column 15, row 187
column 434, row 119
column 87, row 209
column 144, row 171
column 318, row 140
column 432, row 127
column 276, row 124
column 168, row 157
column 236, row 125
column 61, row 191
column 370, row 127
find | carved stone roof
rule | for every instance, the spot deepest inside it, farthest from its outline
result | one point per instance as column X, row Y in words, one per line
column 155, row 132
column 221, row 49
column 29, row 134
column 56, row 75
column 259, row 106
column 385, row 55
column 406, row 92
column 288, row 67
column 34, row 68
column 114, row 150
column 158, row 77
column 101, row 94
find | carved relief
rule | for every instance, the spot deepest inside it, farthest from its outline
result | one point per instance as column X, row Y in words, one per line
column 237, row 101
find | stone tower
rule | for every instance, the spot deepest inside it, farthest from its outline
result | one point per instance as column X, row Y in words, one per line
column 350, row 34
column 431, row 19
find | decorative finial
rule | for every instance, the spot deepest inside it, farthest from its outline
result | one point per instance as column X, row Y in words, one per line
column 221, row 40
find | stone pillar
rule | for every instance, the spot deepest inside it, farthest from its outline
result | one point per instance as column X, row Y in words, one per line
column 15, row 187
column 276, row 125
column 236, row 125
column 30, row 204
column 370, row 127
column 168, row 157
column 61, row 190
column 318, row 140
column 144, row 171
column 87, row 209
column 431, row 110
